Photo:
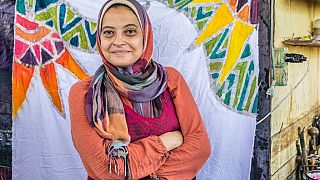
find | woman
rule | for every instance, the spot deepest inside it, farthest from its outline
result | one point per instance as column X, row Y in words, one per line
column 135, row 119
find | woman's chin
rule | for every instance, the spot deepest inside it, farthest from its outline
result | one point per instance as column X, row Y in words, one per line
column 120, row 63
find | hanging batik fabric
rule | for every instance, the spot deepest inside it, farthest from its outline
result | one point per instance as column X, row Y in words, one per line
column 212, row 43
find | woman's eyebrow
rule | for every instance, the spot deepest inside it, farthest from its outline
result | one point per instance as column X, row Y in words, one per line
column 130, row 25
column 105, row 27
column 110, row 27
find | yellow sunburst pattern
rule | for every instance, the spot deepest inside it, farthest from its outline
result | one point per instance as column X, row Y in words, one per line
column 225, row 27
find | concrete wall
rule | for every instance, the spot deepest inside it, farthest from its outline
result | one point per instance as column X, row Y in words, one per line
column 6, row 52
column 260, row 166
column 5, row 122
column 293, row 18
column 5, row 99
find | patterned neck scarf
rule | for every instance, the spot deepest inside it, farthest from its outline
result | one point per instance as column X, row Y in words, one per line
column 139, row 85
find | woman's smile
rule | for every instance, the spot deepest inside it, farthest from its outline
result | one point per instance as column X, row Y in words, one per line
column 120, row 52
column 121, row 37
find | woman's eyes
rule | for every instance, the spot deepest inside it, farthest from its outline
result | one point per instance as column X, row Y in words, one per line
column 127, row 32
column 108, row 33
column 130, row 32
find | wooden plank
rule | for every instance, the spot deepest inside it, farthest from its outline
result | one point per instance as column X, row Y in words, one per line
column 318, row 74
column 291, row 18
column 282, row 15
column 302, row 99
column 300, row 18
column 284, row 157
column 285, row 170
column 295, row 107
column 295, row 42
column 282, row 139
column 283, row 145
column 294, row 18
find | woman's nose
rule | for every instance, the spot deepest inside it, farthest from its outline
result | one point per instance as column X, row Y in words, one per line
column 119, row 40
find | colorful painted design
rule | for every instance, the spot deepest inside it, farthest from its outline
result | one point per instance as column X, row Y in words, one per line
column 58, row 16
column 225, row 29
column 37, row 46
column 75, row 30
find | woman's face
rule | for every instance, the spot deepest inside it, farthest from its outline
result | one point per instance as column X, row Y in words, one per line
column 121, row 37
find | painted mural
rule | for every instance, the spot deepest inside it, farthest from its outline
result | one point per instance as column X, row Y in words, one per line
column 225, row 27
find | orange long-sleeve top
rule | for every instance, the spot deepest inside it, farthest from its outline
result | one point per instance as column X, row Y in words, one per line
column 147, row 156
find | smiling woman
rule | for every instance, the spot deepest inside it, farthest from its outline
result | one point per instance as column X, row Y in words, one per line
column 129, row 120
column 121, row 36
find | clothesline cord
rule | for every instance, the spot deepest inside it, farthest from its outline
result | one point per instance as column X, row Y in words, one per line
column 302, row 78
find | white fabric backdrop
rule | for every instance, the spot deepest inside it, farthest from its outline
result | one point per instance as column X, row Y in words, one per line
column 42, row 147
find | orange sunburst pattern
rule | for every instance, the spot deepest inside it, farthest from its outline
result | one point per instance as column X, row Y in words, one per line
column 241, row 8
column 21, row 80
column 50, row 82
column 68, row 62
column 38, row 46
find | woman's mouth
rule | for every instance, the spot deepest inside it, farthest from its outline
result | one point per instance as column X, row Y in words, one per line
column 120, row 52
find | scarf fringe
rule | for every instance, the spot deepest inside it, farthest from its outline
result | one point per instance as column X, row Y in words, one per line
column 115, row 151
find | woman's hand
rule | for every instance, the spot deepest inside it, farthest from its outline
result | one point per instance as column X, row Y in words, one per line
column 171, row 140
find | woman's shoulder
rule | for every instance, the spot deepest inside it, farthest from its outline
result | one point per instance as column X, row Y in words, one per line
column 172, row 73
column 175, row 80
column 80, row 88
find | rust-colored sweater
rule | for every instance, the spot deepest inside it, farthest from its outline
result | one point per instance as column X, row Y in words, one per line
column 147, row 156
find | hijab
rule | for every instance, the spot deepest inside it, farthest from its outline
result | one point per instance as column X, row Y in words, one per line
column 138, row 85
